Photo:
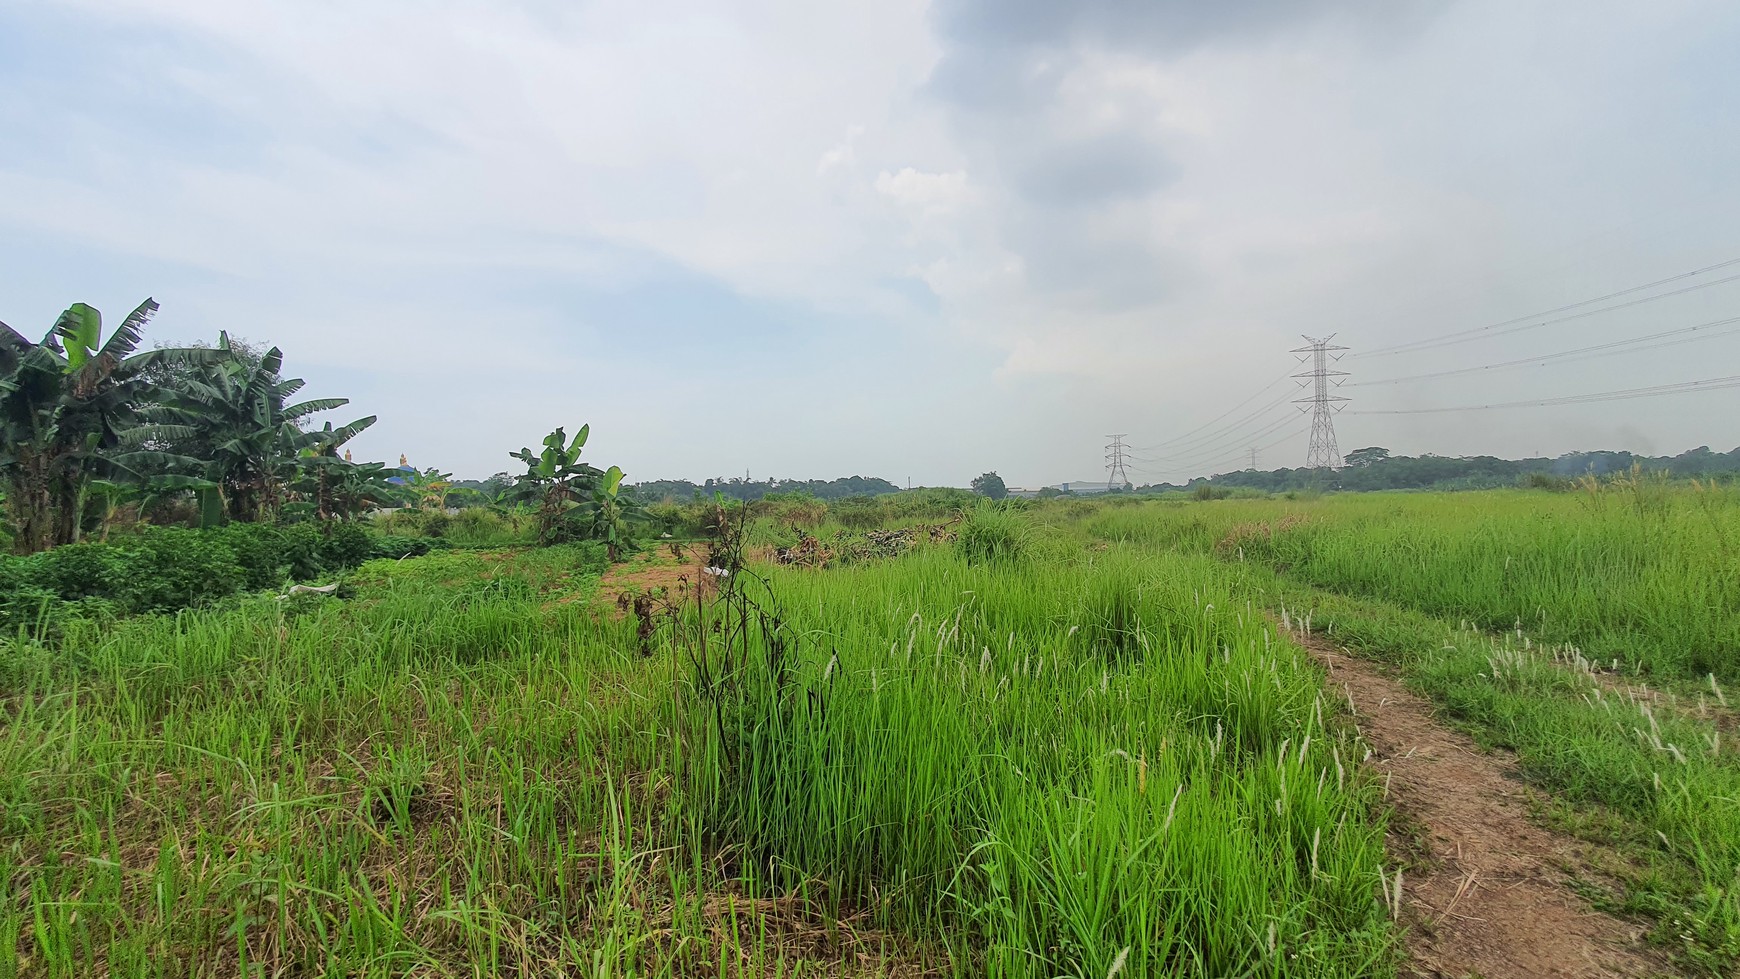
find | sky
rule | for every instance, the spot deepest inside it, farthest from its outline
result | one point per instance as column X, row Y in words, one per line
column 896, row 238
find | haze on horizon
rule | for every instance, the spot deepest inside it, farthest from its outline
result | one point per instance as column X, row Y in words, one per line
column 902, row 239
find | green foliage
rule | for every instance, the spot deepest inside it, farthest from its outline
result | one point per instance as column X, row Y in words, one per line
column 1548, row 482
column 859, row 512
column 70, row 413
column 557, row 483
column 162, row 569
column 481, row 527
column 992, row 534
column 609, row 515
column 990, row 485
column 236, row 419
column 931, row 503
column 1373, row 469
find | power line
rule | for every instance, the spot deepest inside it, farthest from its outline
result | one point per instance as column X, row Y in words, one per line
column 1216, row 435
column 1638, row 344
column 1187, row 459
column 1212, row 459
column 1498, row 329
column 1290, row 436
column 1654, row 391
column 1211, row 421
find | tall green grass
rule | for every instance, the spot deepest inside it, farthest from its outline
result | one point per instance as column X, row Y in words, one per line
column 1059, row 768
column 1017, row 768
column 425, row 779
column 1641, row 573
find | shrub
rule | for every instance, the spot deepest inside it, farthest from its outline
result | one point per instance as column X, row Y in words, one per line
column 169, row 568
column 992, row 533
column 76, row 571
column 161, row 569
column 858, row 512
column 348, row 545
column 1549, row 482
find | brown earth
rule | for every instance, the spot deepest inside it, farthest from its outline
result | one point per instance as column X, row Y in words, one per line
column 1490, row 898
column 654, row 570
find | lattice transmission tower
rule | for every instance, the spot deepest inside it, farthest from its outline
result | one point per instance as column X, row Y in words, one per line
column 1323, row 453
column 1115, row 463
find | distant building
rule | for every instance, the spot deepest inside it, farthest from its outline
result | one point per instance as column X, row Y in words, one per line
column 404, row 467
column 1082, row 487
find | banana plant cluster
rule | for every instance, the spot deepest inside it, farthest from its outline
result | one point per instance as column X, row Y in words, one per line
column 556, row 482
column 332, row 487
column 87, row 419
column 71, row 415
column 574, row 499
column 237, row 419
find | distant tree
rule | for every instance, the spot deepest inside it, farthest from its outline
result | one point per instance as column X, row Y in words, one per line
column 1361, row 458
column 990, row 485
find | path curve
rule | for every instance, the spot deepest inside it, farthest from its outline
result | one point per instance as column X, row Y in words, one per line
column 1490, row 899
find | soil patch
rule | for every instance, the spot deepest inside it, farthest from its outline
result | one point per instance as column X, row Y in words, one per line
column 653, row 571
column 1491, row 896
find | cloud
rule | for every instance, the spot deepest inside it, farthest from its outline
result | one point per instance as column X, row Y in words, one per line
column 898, row 237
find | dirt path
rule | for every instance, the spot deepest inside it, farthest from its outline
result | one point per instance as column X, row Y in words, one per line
column 1490, row 898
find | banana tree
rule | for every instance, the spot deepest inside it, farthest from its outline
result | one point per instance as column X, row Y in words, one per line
column 426, row 489
column 332, row 485
column 556, row 481
column 609, row 515
column 70, row 413
column 240, row 425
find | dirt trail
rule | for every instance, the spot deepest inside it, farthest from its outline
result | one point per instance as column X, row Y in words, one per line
column 1490, row 899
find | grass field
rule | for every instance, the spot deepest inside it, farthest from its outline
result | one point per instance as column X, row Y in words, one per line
column 1076, row 741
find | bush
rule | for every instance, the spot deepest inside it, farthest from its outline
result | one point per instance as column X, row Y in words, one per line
column 1548, row 482
column 161, row 569
column 858, row 512
column 169, row 568
column 992, row 533
column 75, row 571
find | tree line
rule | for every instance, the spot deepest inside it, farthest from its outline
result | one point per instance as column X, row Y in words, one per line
column 737, row 488
column 1375, row 468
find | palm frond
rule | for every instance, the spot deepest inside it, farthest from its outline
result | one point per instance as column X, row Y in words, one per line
column 133, row 461
column 310, row 407
column 334, row 437
column 271, row 364
column 130, row 333
column 81, row 327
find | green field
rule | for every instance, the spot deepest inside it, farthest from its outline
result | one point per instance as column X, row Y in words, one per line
column 1060, row 739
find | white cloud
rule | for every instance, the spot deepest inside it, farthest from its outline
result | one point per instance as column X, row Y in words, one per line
column 1121, row 213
